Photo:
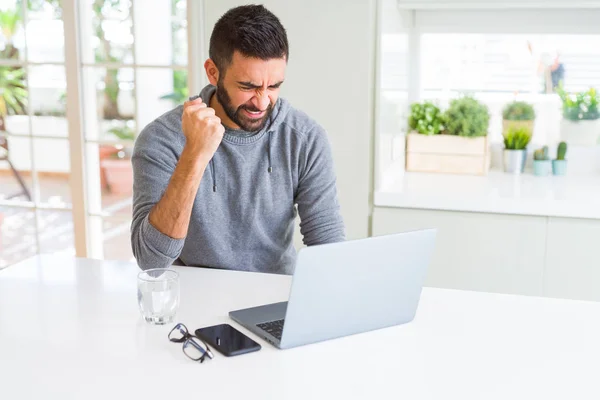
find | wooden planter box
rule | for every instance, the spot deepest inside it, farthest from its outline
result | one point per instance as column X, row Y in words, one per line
column 447, row 154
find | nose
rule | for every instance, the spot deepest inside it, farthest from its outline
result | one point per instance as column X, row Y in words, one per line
column 261, row 100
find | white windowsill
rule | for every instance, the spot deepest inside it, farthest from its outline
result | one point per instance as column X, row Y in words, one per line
column 576, row 196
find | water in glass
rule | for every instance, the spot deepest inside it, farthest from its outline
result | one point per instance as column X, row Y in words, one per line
column 158, row 295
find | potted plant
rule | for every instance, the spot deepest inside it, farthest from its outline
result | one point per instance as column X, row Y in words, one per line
column 515, row 149
column 541, row 162
column 450, row 142
column 116, row 166
column 517, row 114
column 467, row 117
column 581, row 117
column 559, row 165
column 426, row 118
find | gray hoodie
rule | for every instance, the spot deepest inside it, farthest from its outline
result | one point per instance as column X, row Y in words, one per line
column 250, row 194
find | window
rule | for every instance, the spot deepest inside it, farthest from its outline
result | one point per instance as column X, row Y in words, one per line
column 496, row 55
column 133, row 67
column 35, row 200
column 498, row 68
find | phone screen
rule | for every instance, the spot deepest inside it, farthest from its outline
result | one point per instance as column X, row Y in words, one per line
column 227, row 340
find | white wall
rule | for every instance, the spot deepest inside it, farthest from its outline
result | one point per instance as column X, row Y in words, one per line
column 331, row 77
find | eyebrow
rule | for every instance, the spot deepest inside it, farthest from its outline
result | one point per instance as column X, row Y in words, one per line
column 253, row 86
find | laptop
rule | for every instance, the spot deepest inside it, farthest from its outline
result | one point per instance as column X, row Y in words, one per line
column 346, row 288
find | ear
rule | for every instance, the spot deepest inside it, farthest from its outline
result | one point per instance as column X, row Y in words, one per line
column 212, row 72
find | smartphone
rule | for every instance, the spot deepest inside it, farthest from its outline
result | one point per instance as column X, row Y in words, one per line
column 227, row 340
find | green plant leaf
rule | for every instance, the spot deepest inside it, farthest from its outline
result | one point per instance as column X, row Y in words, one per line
column 580, row 106
column 12, row 90
column 467, row 117
column 10, row 20
column 517, row 138
column 426, row 118
column 123, row 133
column 180, row 90
column 518, row 111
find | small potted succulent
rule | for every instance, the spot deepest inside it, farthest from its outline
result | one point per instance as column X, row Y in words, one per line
column 515, row 149
column 541, row 162
column 516, row 115
column 559, row 166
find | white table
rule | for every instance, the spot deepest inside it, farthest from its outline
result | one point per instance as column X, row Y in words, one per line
column 70, row 329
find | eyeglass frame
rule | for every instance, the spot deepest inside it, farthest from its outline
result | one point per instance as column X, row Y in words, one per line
column 189, row 339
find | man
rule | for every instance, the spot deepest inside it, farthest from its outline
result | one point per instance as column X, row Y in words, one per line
column 216, row 180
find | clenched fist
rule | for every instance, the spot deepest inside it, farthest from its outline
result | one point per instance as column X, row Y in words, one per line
column 202, row 128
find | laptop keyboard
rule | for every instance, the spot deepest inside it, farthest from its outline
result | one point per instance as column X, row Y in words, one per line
column 274, row 328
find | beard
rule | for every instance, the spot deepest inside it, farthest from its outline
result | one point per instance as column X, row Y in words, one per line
column 237, row 116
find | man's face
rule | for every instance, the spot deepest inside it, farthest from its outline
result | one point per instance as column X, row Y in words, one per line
column 248, row 90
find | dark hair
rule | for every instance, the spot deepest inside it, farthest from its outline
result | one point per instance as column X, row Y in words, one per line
column 252, row 30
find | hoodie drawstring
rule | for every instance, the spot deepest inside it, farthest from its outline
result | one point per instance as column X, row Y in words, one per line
column 212, row 164
column 269, row 153
column 212, row 173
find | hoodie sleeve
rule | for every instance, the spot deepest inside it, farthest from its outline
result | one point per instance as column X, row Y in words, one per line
column 154, row 161
column 316, row 197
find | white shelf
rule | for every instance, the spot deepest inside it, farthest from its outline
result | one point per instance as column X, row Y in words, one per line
column 553, row 196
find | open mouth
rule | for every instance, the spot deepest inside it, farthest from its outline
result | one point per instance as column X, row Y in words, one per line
column 254, row 114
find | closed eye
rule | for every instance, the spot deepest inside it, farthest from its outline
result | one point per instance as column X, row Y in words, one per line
column 250, row 86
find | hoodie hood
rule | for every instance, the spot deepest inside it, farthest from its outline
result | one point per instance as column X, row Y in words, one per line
column 280, row 110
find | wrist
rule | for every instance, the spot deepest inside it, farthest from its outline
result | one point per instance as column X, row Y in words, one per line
column 198, row 158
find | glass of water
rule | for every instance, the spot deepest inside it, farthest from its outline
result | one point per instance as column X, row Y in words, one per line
column 158, row 295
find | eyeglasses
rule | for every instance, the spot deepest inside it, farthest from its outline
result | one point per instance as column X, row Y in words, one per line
column 193, row 347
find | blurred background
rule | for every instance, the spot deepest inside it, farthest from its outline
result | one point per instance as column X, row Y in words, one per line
column 441, row 113
column 133, row 67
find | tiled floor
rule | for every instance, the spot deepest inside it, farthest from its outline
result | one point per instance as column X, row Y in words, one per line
column 18, row 225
